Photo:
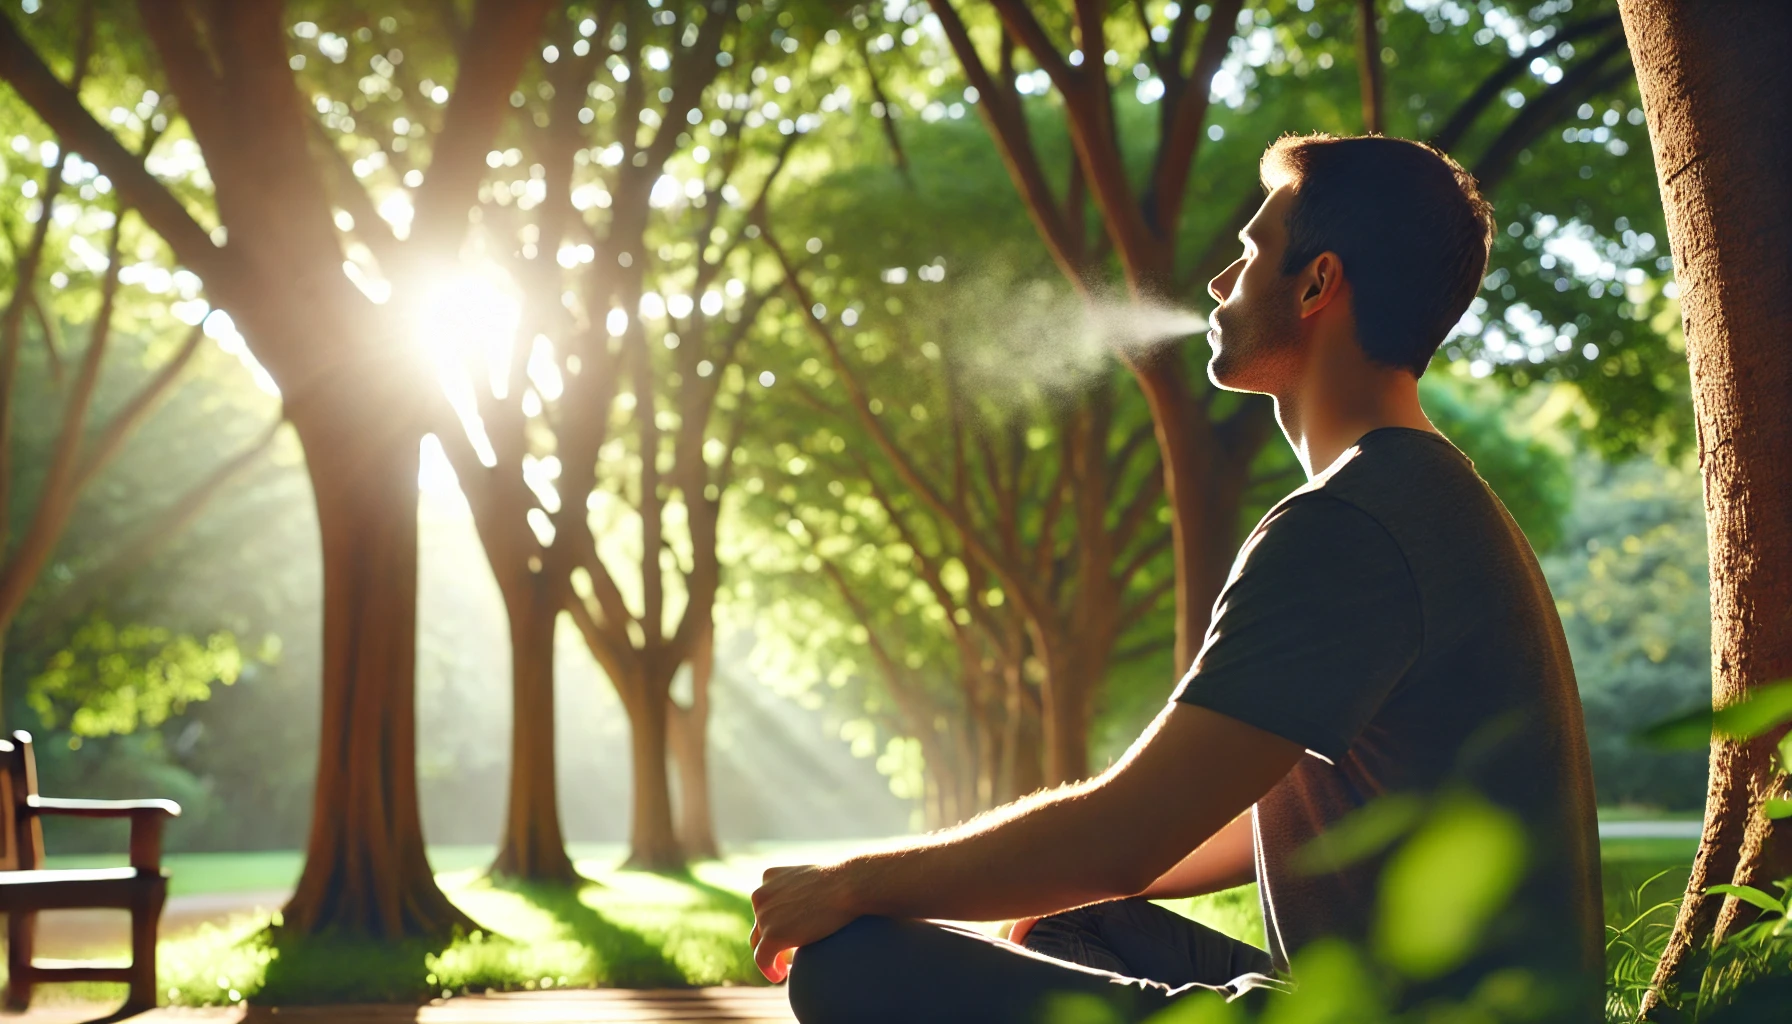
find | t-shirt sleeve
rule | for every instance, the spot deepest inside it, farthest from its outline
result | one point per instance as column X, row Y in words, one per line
column 1316, row 626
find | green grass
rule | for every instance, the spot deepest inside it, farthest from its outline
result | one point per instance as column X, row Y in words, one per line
column 633, row 929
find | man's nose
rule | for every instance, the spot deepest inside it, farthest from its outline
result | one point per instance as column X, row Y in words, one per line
column 1221, row 285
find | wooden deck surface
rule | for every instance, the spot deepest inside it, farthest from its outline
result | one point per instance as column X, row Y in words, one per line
column 709, row 1005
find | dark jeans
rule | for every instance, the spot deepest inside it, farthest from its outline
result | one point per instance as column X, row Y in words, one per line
column 1131, row 954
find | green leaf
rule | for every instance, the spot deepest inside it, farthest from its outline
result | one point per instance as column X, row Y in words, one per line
column 1361, row 834
column 1750, row 895
column 1778, row 808
column 1446, row 885
column 1761, row 711
column 1689, row 731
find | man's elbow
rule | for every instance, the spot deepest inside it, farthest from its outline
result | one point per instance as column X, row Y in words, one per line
column 1126, row 875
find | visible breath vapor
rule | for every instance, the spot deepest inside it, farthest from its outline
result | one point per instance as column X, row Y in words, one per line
column 1008, row 341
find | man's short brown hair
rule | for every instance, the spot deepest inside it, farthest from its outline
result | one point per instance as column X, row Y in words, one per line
column 1406, row 220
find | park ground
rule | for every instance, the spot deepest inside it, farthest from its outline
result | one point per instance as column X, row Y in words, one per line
column 641, row 936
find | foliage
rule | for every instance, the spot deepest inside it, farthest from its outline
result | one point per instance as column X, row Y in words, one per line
column 1748, row 970
column 115, row 680
column 1631, row 584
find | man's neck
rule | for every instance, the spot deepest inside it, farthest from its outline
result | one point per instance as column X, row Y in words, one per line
column 1338, row 404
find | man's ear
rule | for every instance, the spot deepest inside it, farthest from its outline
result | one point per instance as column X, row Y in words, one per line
column 1320, row 283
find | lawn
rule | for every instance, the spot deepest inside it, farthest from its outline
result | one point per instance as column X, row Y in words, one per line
column 625, row 929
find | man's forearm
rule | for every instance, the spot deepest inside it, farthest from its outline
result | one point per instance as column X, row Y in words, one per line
column 1098, row 840
column 1037, row 857
column 1224, row 861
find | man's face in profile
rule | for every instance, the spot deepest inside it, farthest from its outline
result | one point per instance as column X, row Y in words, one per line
column 1256, row 326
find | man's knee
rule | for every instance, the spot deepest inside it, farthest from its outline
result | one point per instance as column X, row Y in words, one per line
column 835, row 979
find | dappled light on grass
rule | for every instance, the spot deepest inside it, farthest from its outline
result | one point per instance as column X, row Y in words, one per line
column 628, row 929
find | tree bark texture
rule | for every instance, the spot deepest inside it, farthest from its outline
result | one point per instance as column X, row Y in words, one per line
column 690, row 752
column 652, row 837
column 365, row 870
column 1716, row 84
column 533, row 848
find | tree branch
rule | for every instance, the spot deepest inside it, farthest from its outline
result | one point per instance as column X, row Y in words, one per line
column 1587, row 78
column 1000, row 108
column 1182, row 135
column 1368, row 66
column 1471, row 108
column 888, row 117
column 174, row 519
column 352, row 197
column 1140, row 606
column 112, row 435
column 62, row 479
column 494, row 49
column 898, row 460
column 61, row 109
column 186, row 62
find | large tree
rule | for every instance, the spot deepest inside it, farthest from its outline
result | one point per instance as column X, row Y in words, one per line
column 1712, row 75
column 612, row 420
column 267, row 240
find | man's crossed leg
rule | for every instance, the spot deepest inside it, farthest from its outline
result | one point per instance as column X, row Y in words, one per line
column 1131, row 954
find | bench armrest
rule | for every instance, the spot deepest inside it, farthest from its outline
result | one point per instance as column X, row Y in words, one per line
column 103, row 808
column 147, row 818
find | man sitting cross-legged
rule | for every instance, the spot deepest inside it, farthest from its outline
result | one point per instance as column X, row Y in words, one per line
column 1385, row 630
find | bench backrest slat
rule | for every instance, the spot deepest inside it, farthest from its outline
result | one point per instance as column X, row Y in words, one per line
column 21, row 834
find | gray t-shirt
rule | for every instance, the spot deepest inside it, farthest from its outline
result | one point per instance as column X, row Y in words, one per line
column 1390, row 617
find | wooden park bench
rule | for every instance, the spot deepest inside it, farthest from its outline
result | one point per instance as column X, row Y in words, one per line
column 27, row 888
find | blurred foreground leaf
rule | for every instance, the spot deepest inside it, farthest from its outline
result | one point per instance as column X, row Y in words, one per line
column 1443, row 887
column 1763, row 710
column 1200, row 1008
column 1360, row 835
column 1336, row 987
column 1079, row 1008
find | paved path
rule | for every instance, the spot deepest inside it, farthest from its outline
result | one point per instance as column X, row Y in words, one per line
column 75, row 934
column 1651, row 829
column 707, row 1005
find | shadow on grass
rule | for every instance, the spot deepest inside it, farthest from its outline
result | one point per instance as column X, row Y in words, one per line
column 625, row 957
column 634, row 931
column 317, row 969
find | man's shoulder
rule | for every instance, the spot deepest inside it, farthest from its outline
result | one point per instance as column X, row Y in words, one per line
column 1411, row 482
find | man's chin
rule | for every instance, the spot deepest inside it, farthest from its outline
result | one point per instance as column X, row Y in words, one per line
column 1222, row 374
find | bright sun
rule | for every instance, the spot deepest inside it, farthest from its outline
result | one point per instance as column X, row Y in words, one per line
column 466, row 323
column 468, row 319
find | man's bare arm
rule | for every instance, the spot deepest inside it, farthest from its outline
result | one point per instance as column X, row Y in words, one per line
column 1226, row 860
column 1193, row 772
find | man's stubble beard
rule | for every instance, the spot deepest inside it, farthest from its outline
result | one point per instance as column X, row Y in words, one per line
column 1250, row 337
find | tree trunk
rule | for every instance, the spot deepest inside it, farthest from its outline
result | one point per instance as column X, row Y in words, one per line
column 690, row 752
column 533, row 848
column 1189, row 463
column 1368, row 66
column 365, row 869
column 653, row 841
column 1064, row 723
column 1715, row 81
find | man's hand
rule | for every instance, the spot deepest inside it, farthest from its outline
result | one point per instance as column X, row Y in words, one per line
column 795, row 906
column 1016, row 931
